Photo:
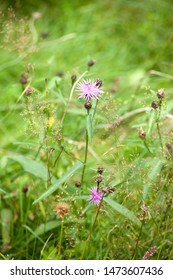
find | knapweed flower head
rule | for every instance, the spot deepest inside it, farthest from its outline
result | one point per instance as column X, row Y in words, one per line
column 88, row 89
column 95, row 196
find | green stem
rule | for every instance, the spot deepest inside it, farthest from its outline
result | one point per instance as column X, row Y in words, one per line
column 146, row 146
column 159, row 133
column 137, row 242
column 92, row 228
column 60, row 241
column 85, row 159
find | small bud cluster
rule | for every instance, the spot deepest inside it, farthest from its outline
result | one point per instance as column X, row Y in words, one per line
column 98, row 192
column 160, row 95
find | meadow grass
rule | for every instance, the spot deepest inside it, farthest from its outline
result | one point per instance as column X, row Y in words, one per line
column 45, row 212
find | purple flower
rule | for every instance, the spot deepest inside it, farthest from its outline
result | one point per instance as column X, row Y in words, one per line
column 89, row 89
column 95, row 196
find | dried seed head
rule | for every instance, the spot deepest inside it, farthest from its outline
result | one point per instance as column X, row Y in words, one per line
column 44, row 35
column 161, row 93
column 29, row 90
column 88, row 105
column 73, row 78
column 78, row 184
column 98, row 179
column 99, row 83
column 91, row 63
column 155, row 104
column 149, row 253
column 111, row 189
column 62, row 209
column 25, row 189
column 23, row 79
column 170, row 148
column 141, row 133
column 100, row 170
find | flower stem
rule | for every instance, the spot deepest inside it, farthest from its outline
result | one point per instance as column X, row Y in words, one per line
column 85, row 159
column 60, row 241
column 92, row 228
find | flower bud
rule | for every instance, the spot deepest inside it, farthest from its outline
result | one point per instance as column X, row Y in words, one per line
column 155, row 104
column 91, row 63
column 88, row 105
column 161, row 93
column 100, row 170
column 141, row 133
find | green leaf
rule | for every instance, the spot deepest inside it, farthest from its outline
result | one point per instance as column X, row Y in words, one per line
column 43, row 228
column 31, row 166
column 152, row 175
column 89, row 127
column 59, row 182
column 123, row 211
column 34, row 234
column 2, row 191
column 6, row 224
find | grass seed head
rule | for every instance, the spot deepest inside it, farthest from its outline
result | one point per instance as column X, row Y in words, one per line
column 161, row 93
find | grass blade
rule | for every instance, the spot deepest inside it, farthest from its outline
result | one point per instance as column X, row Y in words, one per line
column 123, row 211
column 59, row 182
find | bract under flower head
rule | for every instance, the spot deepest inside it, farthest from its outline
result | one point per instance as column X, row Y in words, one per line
column 95, row 196
column 89, row 89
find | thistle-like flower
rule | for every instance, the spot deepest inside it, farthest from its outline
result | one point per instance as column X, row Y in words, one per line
column 95, row 196
column 89, row 89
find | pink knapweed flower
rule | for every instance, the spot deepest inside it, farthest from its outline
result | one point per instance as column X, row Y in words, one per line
column 89, row 89
column 95, row 196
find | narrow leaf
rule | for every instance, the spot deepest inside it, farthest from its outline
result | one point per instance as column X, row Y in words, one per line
column 33, row 233
column 31, row 166
column 123, row 211
column 59, row 182
column 152, row 175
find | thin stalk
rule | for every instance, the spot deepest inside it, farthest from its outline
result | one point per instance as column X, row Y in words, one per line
column 61, row 233
column 85, row 159
column 92, row 228
column 137, row 242
column 146, row 146
column 159, row 133
column 95, row 109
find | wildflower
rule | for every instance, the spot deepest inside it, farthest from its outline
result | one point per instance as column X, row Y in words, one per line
column 89, row 89
column 62, row 209
column 51, row 121
column 95, row 196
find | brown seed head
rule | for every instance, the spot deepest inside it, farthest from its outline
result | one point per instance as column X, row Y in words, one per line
column 73, row 78
column 100, row 170
column 78, row 184
column 161, row 93
column 88, row 105
column 99, row 83
column 149, row 253
column 29, row 90
column 155, row 104
column 98, row 179
column 141, row 133
column 62, row 209
column 91, row 63
column 23, row 79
